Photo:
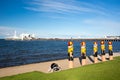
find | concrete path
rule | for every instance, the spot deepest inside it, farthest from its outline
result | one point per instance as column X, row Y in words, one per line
column 44, row 66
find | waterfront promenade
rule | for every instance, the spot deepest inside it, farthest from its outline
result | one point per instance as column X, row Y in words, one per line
column 44, row 66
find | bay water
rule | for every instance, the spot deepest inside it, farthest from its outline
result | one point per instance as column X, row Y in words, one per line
column 14, row 53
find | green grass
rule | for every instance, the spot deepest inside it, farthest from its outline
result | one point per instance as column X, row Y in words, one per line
column 109, row 70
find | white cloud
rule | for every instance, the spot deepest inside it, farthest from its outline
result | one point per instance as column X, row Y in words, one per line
column 66, row 6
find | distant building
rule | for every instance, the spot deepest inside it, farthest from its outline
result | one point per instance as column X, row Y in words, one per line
column 113, row 37
column 23, row 36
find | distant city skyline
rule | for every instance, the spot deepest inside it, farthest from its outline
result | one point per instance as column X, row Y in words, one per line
column 60, row 18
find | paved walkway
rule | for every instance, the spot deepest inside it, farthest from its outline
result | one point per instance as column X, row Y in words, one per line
column 44, row 66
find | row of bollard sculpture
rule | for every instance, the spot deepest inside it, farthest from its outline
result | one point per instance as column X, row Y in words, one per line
column 95, row 52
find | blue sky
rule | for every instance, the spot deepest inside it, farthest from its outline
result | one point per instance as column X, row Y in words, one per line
column 60, row 18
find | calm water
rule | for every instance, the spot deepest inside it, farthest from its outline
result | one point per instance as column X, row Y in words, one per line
column 14, row 53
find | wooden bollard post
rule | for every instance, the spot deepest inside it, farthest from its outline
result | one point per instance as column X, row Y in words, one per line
column 103, row 50
column 95, row 50
column 83, row 53
column 110, row 50
column 70, row 54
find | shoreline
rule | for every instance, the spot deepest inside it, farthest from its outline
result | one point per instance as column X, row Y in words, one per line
column 44, row 66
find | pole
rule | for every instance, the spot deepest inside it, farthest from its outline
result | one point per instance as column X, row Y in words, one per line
column 103, row 51
column 70, row 54
column 95, row 50
column 110, row 50
column 83, row 52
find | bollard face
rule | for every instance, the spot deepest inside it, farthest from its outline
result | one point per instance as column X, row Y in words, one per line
column 70, row 47
column 102, row 47
column 83, row 48
column 110, row 46
column 95, row 49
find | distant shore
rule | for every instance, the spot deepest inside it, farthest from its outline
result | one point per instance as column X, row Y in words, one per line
column 44, row 66
column 67, row 39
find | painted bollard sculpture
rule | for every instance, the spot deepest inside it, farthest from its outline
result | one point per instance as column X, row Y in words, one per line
column 70, row 54
column 110, row 50
column 95, row 50
column 83, row 52
column 103, row 50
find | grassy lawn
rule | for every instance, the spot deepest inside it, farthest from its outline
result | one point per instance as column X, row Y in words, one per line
column 109, row 70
